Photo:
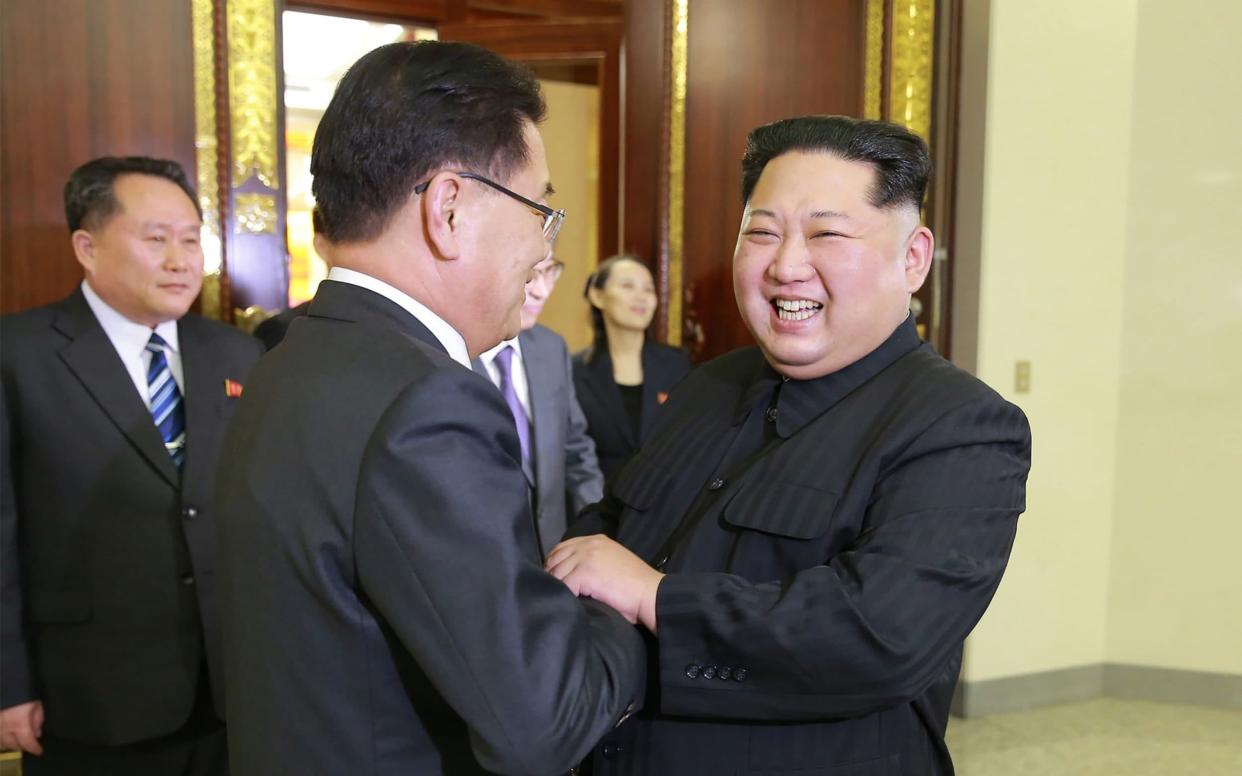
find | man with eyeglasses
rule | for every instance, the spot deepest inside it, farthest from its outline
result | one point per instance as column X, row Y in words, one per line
column 535, row 376
column 385, row 606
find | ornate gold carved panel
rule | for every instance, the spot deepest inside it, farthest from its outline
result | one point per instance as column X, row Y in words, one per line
column 252, row 90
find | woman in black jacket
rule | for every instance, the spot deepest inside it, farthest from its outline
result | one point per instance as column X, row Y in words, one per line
column 623, row 377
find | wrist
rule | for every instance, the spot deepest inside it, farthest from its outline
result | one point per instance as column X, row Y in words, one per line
column 647, row 610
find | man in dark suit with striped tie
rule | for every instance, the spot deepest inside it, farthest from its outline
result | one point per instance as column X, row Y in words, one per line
column 821, row 520
column 114, row 404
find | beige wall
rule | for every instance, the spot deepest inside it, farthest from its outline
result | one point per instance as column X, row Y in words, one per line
column 1050, row 277
column 1107, row 186
column 1176, row 578
column 571, row 134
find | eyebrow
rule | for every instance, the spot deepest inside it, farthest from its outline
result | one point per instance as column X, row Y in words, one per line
column 815, row 214
column 828, row 214
column 166, row 225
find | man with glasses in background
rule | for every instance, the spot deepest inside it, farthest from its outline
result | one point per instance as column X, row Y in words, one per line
column 385, row 606
column 535, row 376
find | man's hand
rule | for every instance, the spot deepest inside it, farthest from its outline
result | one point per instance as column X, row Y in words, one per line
column 597, row 567
column 21, row 726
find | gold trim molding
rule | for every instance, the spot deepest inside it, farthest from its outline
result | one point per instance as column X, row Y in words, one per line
column 679, row 59
column 252, row 90
column 206, row 151
column 910, row 79
column 873, row 105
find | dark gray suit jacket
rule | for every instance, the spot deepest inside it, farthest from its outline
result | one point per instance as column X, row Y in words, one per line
column 819, row 589
column 108, row 607
column 385, row 606
column 566, row 473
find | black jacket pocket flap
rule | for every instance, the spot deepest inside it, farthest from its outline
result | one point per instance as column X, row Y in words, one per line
column 782, row 508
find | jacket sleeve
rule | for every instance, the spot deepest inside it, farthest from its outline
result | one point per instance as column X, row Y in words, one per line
column 584, row 482
column 445, row 549
column 873, row 626
column 17, row 684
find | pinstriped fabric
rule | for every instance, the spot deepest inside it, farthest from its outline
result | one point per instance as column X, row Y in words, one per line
column 167, row 409
column 836, row 570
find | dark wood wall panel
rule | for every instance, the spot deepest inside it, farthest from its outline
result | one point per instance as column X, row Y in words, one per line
column 646, row 75
column 80, row 78
column 750, row 63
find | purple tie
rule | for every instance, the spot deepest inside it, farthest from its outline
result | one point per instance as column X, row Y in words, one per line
column 504, row 362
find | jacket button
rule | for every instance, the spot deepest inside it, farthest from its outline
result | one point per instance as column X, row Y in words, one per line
column 187, row 580
column 739, row 674
column 692, row 671
column 709, row 672
column 724, row 672
column 611, row 750
column 189, row 513
column 771, row 414
column 716, row 484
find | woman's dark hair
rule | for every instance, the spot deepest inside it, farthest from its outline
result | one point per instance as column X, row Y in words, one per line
column 407, row 110
column 900, row 158
column 89, row 196
column 598, row 279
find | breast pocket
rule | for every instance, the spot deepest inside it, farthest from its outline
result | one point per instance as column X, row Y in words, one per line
column 780, row 528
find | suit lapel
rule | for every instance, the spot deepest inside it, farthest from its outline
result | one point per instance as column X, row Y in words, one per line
column 651, row 398
column 601, row 382
column 203, row 396
column 535, row 364
column 93, row 360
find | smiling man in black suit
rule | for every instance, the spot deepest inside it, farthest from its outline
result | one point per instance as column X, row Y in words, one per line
column 823, row 519
column 114, row 404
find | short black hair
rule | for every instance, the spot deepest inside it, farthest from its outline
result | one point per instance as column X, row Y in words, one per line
column 900, row 158
column 89, row 196
column 403, row 112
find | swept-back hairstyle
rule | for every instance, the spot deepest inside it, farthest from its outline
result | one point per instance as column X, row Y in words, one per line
column 90, row 199
column 900, row 158
column 599, row 279
column 403, row 112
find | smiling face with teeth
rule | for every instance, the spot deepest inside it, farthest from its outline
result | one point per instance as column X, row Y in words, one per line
column 821, row 275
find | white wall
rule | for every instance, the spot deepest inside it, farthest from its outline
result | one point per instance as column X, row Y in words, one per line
column 1056, row 161
column 1108, row 205
column 1176, row 577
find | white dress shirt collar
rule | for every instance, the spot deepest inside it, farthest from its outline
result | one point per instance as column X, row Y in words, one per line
column 489, row 356
column 129, row 338
column 452, row 341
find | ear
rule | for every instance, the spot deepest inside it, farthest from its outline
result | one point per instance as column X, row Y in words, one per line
column 84, row 249
column 919, row 253
column 442, row 215
column 596, row 297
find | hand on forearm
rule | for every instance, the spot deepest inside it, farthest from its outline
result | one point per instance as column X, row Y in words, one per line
column 21, row 726
column 598, row 567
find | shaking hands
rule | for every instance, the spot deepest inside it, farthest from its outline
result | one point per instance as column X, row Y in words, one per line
column 598, row 567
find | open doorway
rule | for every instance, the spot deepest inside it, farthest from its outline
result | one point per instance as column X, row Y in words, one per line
column 318, row 49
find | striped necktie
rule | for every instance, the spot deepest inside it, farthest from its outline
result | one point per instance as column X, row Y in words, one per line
column 166, row 407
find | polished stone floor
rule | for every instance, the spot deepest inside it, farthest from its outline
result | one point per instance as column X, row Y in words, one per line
column 1105, row 737
column 1098, row 738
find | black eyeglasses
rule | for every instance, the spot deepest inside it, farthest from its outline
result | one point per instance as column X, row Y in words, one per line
column 552, row 219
